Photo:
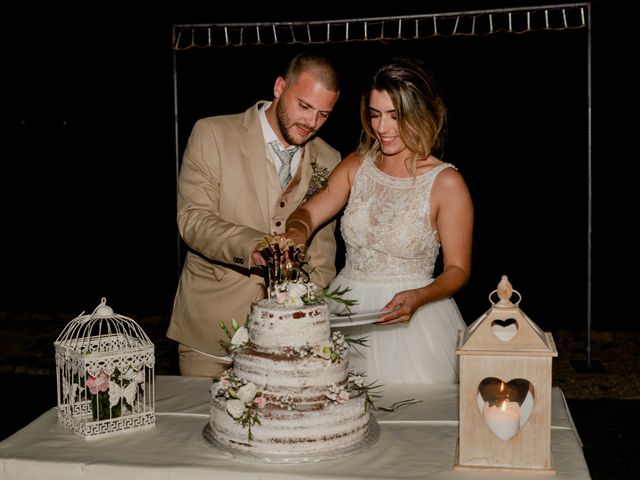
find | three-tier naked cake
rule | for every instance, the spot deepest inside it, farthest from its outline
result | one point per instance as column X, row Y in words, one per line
column 289, row 391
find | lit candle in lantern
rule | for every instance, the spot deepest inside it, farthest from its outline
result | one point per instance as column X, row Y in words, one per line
column 502, row 416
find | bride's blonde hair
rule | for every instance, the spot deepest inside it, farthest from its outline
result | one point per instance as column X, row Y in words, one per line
column 420, row 110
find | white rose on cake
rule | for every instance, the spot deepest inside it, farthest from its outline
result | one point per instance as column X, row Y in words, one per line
column 240, row 337
column 293, row 302
column 324, row 349
column 236, row 408
column 298, row 290
column 247, row 392
column 294, row 294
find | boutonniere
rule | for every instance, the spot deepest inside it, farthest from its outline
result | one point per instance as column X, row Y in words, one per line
column 318, row 180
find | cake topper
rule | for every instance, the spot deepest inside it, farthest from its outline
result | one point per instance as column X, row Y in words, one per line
column 285, row 263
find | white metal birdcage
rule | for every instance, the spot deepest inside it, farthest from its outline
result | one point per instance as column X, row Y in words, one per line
column 105, row 368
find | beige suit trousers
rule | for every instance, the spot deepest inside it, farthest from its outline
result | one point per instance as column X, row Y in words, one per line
column 194, row 363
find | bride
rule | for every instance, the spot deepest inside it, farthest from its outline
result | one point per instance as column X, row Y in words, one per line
column 402, row 204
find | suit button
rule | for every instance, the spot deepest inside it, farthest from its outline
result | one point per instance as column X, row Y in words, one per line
column 282, row 204
column 278, row 223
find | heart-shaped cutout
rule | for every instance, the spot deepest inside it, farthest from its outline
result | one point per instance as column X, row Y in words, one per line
column 505, row 330
column 505, row 406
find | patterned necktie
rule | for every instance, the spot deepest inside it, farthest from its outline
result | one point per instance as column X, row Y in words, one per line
column 285, row 156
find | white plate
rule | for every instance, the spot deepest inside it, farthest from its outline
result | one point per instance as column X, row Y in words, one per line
column 363, row 317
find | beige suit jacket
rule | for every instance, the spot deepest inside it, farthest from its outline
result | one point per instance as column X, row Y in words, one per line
column 223, row 212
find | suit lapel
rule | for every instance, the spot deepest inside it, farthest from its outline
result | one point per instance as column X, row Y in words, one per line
column 254, row 145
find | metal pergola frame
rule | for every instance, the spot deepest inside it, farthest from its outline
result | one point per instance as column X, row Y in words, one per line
column 515, row 20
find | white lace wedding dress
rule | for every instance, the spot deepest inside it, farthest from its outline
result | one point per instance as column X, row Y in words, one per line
column 390, row 247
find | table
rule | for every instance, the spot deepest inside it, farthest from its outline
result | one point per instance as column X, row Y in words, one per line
column 416, row 442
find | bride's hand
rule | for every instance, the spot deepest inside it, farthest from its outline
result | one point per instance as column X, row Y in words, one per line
column 403, row 306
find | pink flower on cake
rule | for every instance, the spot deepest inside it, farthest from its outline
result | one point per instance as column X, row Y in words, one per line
column 261, row 402
column 343, row 396
column 281, row 296
column 99, row 383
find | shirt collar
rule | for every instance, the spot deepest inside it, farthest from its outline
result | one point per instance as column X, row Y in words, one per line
column 267, row 132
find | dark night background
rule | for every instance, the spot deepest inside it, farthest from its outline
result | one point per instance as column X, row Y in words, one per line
column 89, row 151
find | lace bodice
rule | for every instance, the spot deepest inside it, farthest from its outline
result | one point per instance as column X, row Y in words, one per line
column 386, row 226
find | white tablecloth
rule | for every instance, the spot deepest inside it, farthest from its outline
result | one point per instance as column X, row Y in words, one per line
column 416, row 442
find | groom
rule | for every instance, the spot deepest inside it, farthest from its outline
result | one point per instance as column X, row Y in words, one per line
column 233, row 190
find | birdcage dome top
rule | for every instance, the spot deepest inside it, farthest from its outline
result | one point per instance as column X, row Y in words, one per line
column 102, row 331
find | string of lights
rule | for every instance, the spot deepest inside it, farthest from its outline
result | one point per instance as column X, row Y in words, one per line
column 411, row 27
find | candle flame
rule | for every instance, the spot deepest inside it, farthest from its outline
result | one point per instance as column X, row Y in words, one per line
column 501, row 387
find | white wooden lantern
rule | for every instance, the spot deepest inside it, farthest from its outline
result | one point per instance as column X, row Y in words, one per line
column 505, row 390
column 105, row 375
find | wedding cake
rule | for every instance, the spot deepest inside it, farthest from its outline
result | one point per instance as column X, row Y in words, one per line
column 289, row 391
